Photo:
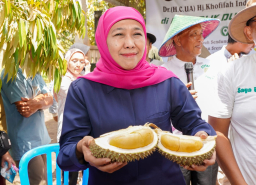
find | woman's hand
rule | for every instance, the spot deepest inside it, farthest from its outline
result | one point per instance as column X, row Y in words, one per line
column 203, row 166
column 7, row 158
column 103, row 164
column 207, row 162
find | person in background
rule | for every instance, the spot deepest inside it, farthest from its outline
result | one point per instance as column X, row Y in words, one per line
column 153, row 54
column 6, row 158
column 24, row 100
column 123, row 90
column 234, row 116
column 218, row 61
column 54, row 108
column 85, row 50
column 233, row 50
column 76, row 62
column 185, row 41
column 151, row 39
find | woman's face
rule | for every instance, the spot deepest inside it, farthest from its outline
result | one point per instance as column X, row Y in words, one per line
column 126, row 43
column 77, row 63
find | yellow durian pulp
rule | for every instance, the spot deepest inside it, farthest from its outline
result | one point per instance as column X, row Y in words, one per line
column 178, row 144
column 133, row 140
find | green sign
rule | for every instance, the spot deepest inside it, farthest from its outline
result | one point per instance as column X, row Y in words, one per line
column 224, row 31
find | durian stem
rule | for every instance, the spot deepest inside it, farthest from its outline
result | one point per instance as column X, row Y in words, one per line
column 151, row 125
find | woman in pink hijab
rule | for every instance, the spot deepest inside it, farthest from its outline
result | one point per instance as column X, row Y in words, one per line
column 124, row 90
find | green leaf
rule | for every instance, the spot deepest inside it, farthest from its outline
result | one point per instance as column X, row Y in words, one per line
column 64, row 67
column 60, row 62
column 2, row 53
column 39, row 30
column 53, row 40
column 75, row 6
column 15, row 39
column 56, row 81
column 42, row 24
column 33, row 52
column 24, row 66
column 33, row 68
column 83, row 32
column 0, row 85
column 73, row 17
column 7, row 7
column 6, row 24
column 10, row 68
column 34, row 38
column 59, row 17
column 39, row 51
column 50, row 72
column 16, row 59
column 79, row 10
column 22, row 32
column 2, row 44
column 16, row 55
column 2, row 16
column 21, row 56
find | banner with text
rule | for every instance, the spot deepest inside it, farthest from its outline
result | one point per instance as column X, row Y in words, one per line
column 159, row 15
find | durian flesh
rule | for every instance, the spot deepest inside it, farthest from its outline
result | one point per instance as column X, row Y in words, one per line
column 190, row 154
column 132, row 140
column 179, row 144
column 130, row 144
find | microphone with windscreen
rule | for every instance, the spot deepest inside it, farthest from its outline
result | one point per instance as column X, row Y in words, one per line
column 189, row 72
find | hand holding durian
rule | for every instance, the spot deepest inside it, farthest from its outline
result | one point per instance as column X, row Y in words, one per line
column 113, row 150
column 104, row 164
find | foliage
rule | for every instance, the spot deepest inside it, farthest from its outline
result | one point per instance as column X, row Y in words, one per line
column 29, row 32
column 99, row 5
column 94, row 5
column 140, row 5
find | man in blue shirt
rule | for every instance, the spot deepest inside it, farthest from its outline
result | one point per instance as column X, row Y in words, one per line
column 24, row 100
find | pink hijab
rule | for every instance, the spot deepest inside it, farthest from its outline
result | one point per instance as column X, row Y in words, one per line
column 108, row 72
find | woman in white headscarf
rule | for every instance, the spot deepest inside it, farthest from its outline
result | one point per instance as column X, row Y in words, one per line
column 76, row 60
column 77, row 64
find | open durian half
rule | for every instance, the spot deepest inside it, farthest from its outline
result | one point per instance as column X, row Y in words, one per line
column 132, row 143
column 185, row 150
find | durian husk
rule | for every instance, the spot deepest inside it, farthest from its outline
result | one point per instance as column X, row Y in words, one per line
column 99, row 152
column 188, row 160
column 184, row 158
column 101, row 149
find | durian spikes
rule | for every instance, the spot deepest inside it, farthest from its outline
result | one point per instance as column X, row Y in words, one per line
column 180, row 144
column 135, row 139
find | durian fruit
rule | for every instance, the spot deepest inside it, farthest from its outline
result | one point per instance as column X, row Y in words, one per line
column 185, row 150
column 130, row 144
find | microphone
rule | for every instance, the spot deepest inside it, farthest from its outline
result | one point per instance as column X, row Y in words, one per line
column 189, row 71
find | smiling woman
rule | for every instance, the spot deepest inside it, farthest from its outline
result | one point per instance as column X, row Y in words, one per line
column 126, row 43
column 124, row 90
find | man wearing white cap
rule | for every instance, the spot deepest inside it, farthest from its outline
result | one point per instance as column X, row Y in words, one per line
column 184, row 41
column 235, row 111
